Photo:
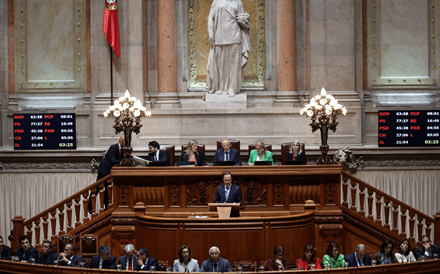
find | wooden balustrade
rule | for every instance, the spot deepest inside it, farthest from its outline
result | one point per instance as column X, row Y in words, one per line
column 57, row 215
column 390, row 207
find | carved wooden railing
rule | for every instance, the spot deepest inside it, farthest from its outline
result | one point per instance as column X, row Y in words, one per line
column 355, row 191
column 59, row 212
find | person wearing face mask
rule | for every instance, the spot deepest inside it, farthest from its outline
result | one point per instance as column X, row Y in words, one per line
column 333, row 256
column 215, row 263
column 385, row 255
column 278, row 260
column 404, row 254
column 185, row 263
column 296, row 153
column 27, row 252
column 308, row 258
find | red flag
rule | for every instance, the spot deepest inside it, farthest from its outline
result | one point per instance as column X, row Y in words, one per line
column 110, row 25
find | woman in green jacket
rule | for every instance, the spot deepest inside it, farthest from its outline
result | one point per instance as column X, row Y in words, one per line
column 333, row 257
column 259, row 154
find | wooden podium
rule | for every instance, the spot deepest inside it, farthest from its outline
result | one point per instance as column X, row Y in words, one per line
column 224, row 209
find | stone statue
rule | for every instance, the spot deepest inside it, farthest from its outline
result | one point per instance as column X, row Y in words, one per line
column 228, row 30
column 345, row 157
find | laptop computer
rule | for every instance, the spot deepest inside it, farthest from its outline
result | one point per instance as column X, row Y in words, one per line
column 157, row 164
column 293, row 163
column 225, row 163
column 263, row 163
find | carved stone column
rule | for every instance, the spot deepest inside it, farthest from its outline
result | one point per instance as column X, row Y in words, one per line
column 166, row 55
column 286, row 95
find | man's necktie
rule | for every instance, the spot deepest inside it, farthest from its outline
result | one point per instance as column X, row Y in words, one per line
column 227, row 193
column 227, row 156
column 215, row 269
column 120, row 153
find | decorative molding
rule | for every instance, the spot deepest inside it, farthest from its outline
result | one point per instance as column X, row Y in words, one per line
column 278, row 194
column 123, row 195
column 329, row 219
column 174, row 194
column 402, row 163
column 97, row 226
column 123, row 221
column 330, row 193
column 13, row 166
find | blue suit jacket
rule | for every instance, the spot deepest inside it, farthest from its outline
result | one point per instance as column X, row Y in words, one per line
column 123, row 261
column 6, row 252
column 111, row 158
column 110, row 264
column 234, row 195
column 421, row 251
column 28, row 255
column 233, row 156
column 47, row 259
column 351, row 258
column 74, row 262
column 163, row 157
column 151, row 262
column 223, row 265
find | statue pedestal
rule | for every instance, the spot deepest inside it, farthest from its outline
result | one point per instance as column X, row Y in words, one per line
column 223, row 101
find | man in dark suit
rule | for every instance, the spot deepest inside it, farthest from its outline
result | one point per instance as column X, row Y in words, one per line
column 145, row 262
column 129, row 260
column 215, row 263
column 69, row 258
column 228, row 193
column 358, row 258
column 226, row 153
column 426, row 248
column 113, row 156
column 156, row 154
column 47, row 257
column 104, row 260
column 5, row 251
column 27, row 251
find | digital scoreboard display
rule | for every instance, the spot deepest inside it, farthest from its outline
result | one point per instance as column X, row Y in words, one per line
column 415, row 128
column 44, row 131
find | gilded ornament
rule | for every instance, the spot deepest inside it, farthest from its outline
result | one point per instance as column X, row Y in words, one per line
column 419, row 81
column 389, row 81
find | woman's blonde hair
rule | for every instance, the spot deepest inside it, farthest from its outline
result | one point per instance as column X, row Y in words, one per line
column 261, row 144
column 190, row 144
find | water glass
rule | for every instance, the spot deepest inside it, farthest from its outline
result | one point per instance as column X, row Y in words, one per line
column 33, row 261
column 346, row 264
column 81, row 265
column 280, row 268
column 118, row 267
column 422, row 258
column 312, row 267
column 262, row 267
column 329, row 266
column 435, row 256
column 13, row 258
column 55, row 263
column 152, row 269
column 240, row 269
column 373, row 263
column 168, row 269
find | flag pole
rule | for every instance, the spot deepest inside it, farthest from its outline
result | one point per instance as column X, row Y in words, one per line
column 111, row 75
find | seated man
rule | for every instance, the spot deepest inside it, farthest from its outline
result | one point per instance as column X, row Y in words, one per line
column 226, row 153
column 5, row 251
column 129, row 260
column 104, row 260
column 358, row 258
column 427, row 249
column 27, row 251
column 69, row 258
column 144, row 261
column 47, row 256
column 156, row 154
column 215, row 263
